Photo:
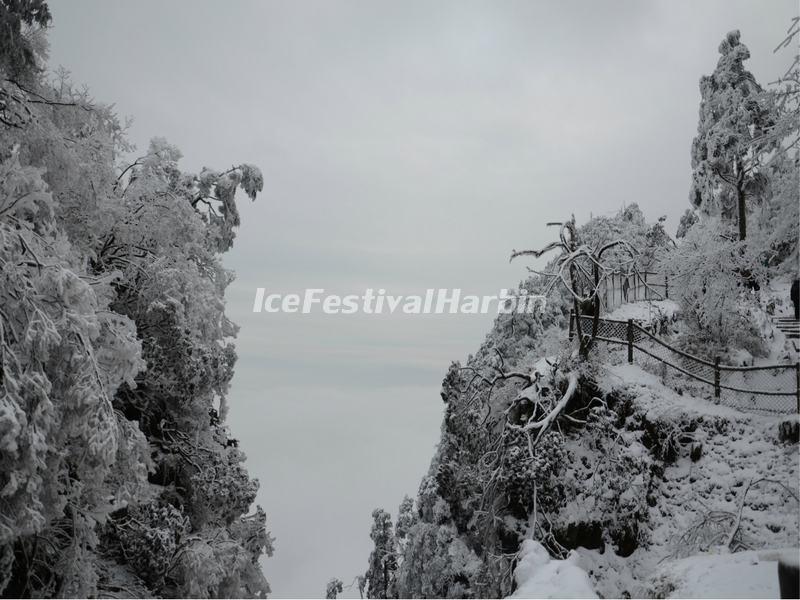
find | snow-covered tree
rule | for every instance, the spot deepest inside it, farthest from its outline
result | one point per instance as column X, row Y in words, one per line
column 118, row 472
column 776, row 237
column 715, row 276
column 787, row 91
column 405, row 521
column 586, row 259
column 334, row 588
column 20, row 23
column 380, row 575
column 688, row 218
column 733, row 137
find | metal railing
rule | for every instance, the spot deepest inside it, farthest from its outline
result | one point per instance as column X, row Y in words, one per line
column 770, row 389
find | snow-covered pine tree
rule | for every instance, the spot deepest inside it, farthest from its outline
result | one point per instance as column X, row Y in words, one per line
column 736, row 118
column 380, row 575
column 333, row 589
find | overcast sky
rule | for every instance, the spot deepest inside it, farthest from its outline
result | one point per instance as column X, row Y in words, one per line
column 404, row 145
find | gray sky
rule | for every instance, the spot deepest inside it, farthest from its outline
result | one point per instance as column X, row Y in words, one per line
column 404, row 145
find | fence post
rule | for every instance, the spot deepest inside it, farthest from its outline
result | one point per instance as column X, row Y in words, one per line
column 716, row 378
column 797, row 371
column 571, row 323
column 666, row 286
column 613, row 304
column 630, row 341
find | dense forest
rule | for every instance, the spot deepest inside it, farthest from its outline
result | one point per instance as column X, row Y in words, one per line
column 118, row 475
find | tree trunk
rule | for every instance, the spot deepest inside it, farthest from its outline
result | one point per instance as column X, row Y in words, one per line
column 596, row 320
column 742, row 213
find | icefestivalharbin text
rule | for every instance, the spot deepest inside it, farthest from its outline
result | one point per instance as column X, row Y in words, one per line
column 441, row 301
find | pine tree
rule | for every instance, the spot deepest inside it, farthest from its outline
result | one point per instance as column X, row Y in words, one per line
column 333, row 589
column 736, row 116
column 383, row 559
column 17, row 20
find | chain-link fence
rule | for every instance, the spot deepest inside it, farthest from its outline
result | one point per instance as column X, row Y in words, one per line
column 608, row 330
column 770, row 389
column 767, row 389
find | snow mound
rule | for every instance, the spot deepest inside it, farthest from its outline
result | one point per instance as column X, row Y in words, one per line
column 740, row 575
column 650, row 392
column 539, row 576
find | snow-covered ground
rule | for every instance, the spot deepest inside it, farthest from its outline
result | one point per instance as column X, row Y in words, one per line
column 776, row 300
column 739, row 575
column 741, row 467
column 645, row 311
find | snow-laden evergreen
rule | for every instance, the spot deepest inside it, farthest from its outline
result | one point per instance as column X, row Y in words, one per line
column 119, row 477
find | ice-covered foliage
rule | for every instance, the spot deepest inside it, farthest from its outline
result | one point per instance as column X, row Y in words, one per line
column 117, row 472
column 383, row 560
column 688, row 219
column 21, row 23
column 334, row 588
column 715, row 278
column 776, row 236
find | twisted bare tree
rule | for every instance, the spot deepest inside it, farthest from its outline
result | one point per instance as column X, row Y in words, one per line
column 582, row 272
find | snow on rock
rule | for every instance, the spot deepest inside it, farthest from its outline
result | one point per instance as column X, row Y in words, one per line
column 539, row 576
column 725, row 463
column 739, row 575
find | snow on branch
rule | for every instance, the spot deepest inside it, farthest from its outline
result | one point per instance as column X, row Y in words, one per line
column 582, row 271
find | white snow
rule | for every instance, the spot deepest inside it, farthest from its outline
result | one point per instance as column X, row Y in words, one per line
column 650, row 391
column 739, row 575
column 539, row 576
column 645, row 311
column 736, row 448
column 775, row 299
